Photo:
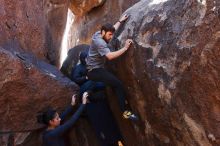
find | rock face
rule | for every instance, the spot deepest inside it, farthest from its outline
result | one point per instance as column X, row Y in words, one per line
column 23, row 24
column 26, row 81
column 172, row 73
column 28, row 86
column 81, row 7
column 35, row 26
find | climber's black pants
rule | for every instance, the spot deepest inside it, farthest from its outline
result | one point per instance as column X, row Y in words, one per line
column 102, row 75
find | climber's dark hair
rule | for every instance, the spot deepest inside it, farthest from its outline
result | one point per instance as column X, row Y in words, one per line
column 45, row 117
column 108, row 27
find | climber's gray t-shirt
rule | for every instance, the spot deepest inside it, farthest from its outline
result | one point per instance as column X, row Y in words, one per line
column 97, row 51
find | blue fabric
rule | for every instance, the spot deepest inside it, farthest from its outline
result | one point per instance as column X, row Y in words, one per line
column 55, row 137
column 91, row 86
column 78, row 74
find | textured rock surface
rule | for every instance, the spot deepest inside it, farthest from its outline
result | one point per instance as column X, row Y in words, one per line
column 28, row 86
column 25, row 84
column 35, row 26
column 81, row 7
column 172, row 72
column 22, row 23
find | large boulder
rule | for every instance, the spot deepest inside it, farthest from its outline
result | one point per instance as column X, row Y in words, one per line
column 28, row 84
column 27, row 87
column 172, row 73
column 35, row 26
column 24, row 24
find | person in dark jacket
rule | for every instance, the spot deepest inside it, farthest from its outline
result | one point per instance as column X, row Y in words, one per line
column 54, row 134
column 78, row 73
column 79, row 76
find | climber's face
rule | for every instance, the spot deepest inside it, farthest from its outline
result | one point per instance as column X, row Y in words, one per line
column 107, row 36
column 55, row 121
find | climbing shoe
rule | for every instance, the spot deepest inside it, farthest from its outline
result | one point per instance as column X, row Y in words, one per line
column 129, row 115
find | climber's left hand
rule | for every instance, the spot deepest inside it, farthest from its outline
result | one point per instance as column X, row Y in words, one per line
column 123, row 18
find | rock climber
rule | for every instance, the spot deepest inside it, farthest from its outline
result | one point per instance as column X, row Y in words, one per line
column 98, row 53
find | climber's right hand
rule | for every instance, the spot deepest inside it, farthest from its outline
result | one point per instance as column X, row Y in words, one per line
column 128, row 43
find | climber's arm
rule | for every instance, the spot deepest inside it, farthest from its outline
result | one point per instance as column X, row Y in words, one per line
column 122, row 19
column 116, row 54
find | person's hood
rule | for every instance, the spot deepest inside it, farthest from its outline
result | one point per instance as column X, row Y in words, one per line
column 82, row 57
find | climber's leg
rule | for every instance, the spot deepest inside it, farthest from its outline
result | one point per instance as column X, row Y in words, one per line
column 102, row 75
